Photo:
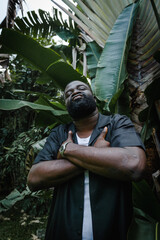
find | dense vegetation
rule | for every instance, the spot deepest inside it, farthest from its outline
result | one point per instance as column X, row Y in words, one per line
column 117, row 48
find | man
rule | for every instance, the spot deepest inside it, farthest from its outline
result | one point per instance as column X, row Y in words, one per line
column 92, row 179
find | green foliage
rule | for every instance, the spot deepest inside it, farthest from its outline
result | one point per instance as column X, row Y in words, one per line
column 146, row 214
column 149, row 115
column 111, row 69
column 143, row 196
column 44, row 59
column 18, row 225
column 143, row 225
column 108, row 84
column 12, row 198
column 93, row 52
column 7, row 104
column 38, row 203
column 13, row 163
column 96, row 18
column 43, row 26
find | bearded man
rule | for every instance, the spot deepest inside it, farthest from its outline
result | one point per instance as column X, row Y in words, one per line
column 90, row 162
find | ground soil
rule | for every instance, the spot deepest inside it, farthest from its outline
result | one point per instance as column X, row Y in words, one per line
column 15, row 224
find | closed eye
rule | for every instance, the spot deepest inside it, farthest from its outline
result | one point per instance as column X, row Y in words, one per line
column 67, row 94
column 81, row 87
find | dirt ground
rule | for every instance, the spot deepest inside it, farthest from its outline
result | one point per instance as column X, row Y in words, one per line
column 15, row 224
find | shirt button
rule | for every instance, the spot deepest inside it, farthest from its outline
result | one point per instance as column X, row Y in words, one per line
column 79, row 232
column 81, row 208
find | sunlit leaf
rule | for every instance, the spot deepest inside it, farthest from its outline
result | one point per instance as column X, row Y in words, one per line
column 111, row 71
column 44, row 59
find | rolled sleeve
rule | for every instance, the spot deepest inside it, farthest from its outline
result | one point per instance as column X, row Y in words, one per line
column 124, row 133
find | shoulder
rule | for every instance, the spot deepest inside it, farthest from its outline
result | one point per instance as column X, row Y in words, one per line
column 118, row 120
column 60, row 128
column 59, row 133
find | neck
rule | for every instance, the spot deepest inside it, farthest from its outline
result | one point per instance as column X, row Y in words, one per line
column 86, row 125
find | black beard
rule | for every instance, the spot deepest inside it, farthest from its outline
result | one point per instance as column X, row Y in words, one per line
column 81, row 107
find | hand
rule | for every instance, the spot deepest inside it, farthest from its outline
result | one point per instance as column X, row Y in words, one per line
column 69, row 139
column 101, row 142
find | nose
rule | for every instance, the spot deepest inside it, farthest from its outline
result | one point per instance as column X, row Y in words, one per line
column 75, row 91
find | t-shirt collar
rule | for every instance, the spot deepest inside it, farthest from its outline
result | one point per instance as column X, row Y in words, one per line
column 101, row 123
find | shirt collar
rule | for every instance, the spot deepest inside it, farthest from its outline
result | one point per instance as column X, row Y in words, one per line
column 101, row 123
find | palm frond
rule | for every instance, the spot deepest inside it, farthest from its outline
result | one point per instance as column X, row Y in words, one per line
column 45, row 26
column 96, row 18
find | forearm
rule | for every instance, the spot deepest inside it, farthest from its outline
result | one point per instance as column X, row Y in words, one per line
column 51, row 173
column 118, row 163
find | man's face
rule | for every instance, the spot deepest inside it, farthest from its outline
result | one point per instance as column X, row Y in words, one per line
column 79, row 100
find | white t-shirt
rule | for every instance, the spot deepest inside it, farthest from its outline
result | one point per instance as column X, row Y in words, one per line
column 87, row 230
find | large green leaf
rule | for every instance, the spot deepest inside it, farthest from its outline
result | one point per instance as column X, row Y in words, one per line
column 143, row 227
column 82, row 25
column 12, row 198
column 111, row 71
column 28, row 48
column 93, row 52
column 144, row 199
column 63, row 73
column 44, row 59
column 96, row 18
column 48, row 118
column 10, row 104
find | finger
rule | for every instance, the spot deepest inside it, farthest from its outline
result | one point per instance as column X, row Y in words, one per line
column 70, row 135
column 108, row 144
column 104, row 133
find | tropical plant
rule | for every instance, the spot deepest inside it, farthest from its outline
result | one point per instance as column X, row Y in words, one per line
column 8, row 22
column 49, row 66
column 13, row 161
column 135, row 50
column 130, row 57
column 119, row 42
column 112, row 75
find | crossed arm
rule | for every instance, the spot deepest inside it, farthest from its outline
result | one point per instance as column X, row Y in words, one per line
column 119, row 163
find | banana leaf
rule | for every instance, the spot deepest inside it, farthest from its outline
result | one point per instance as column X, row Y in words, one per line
column 93, row 52
column 111, row 69
column 146, row 217
column 12, row 198
column 45, row 59
column 143, row 227
column 28, row 48
column 96, row 18
column 10, row 104
column 145, row 199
